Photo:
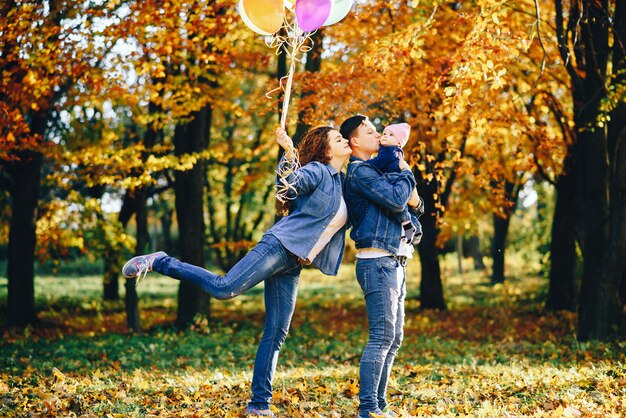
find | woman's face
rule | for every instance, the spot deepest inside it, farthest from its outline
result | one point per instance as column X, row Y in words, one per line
column 339, row 146
column 367, row 137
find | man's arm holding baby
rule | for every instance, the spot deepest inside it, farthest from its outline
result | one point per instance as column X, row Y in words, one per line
column 415, row 203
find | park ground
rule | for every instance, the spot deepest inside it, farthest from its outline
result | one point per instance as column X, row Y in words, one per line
column 494, row 353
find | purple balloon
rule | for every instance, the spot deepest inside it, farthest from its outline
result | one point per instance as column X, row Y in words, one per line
column 311, row 14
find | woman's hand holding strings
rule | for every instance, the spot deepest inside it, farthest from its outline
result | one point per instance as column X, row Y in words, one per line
column 285, row 142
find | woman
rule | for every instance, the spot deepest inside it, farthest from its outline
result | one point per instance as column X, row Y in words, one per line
column 312, row 233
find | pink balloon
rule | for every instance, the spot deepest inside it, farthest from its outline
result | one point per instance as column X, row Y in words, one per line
column 311, row 14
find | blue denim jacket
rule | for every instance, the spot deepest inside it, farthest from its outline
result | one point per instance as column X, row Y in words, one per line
column 375, row 204
column 317, row 194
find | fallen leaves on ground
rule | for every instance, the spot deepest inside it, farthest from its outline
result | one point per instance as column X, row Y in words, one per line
column 481, row 360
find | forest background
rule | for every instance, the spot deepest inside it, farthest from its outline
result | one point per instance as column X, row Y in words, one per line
column 128, row 127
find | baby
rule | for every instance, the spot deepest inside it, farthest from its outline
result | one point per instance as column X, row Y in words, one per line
column 390, row 154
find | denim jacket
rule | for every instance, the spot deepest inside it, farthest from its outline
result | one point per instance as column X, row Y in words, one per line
column 317, row 194
column 375, row 204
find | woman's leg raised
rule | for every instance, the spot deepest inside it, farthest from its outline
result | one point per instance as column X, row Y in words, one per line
column 266, row 259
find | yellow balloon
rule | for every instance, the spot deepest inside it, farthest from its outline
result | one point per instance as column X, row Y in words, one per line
column 265, row 15
column 248, row 22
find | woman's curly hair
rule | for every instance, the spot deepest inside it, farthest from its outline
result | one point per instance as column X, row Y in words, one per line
column 315, row 146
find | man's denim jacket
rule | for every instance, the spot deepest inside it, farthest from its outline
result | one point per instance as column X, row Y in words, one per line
column 375, row 204
column 317, row 195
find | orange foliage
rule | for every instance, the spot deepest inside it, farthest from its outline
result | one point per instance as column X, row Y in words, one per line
column 82, row 82
column 467, row 77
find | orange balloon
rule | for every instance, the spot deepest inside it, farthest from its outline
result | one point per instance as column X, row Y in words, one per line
column 266, row 15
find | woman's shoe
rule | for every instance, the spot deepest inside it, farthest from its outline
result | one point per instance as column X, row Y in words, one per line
column 253, row 412
column 140, row 266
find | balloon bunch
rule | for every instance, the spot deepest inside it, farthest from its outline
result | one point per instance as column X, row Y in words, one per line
column 268, row 17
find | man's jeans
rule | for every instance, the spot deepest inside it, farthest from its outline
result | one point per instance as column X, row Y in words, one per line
column 383, row 282
column 268, row 261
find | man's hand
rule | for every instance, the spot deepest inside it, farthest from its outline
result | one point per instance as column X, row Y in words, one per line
column 404, row 165
column 414, row 200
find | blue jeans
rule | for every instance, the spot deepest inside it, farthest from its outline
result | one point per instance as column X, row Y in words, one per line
column 383, row 282
column 268, row 261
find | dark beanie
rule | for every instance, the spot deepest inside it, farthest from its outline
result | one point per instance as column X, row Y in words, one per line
column 350, row 125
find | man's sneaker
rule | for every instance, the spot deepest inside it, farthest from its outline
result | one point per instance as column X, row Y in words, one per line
column 140, row 266
column 253, row 412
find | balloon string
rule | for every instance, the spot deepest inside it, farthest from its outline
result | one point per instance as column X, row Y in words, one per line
column 295, row 39
column 292, row 68
column 287, row 172
column 287, row 176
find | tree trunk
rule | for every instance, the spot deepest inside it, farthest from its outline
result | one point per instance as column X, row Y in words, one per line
column 617, row 141
column 562, row 290
column 111, row 258
column 112, row 253
column 596, row 34
column 431, row 289
column 600, row 310
column 141, row 217
column 188, row 188
column 131, row 299
column 166, row 231
column 602, row 172
column 500, row 232
column 622, row 289
column 618, row 221
column 474, row 251
column 26, row 176
column 131, row 306
column 459, row 252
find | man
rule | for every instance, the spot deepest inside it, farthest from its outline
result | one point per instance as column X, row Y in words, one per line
column 375, row 206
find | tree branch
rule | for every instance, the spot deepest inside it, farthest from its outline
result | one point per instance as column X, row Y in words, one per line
column 543, row 47
column 541, row 170
column 564, row 48
column 447, row 190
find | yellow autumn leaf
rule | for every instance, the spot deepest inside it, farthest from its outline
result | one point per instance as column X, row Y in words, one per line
column 58, row 375
column 351, row 387
column 4, row 387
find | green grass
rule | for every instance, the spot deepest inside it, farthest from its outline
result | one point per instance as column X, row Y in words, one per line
column 493, row 352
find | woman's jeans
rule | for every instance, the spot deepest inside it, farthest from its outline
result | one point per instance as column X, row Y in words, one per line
column 268, row 261
column 383, row 282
